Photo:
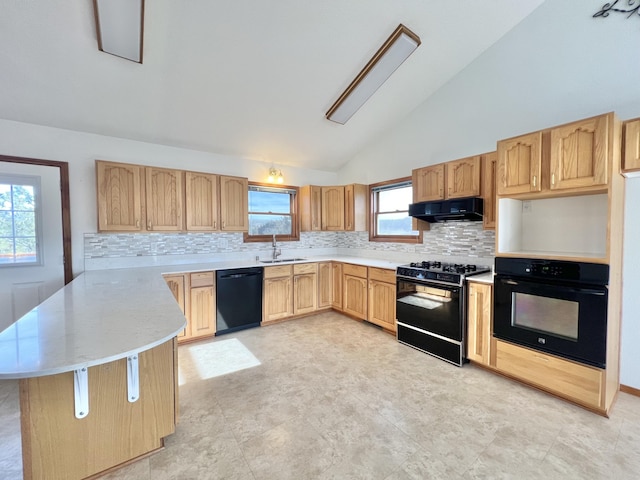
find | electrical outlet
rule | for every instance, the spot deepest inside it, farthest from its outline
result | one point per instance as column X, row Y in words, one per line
column 526, row 206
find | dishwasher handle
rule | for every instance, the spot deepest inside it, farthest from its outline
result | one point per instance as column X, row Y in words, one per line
column 239, row 275
column 234, row 273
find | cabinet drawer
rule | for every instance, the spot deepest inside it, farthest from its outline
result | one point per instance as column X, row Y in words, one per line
column 382, row 275
column 568, row 379
column 202, row 279
column 300, row 268
column 278, row 271
column 354, row 270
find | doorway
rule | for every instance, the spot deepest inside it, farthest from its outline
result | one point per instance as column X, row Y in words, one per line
column 35, row 236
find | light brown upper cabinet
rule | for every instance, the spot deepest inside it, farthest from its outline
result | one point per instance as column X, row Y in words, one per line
column 571, row 158
column 119, row 197
column 455, row 179
column 489, row 167
column 428, row 183
column 165, row 196
column 631, row 158
column 201, row 190
column 579, row 153
column 334, row 208
column 234, row 204
column 520, row 164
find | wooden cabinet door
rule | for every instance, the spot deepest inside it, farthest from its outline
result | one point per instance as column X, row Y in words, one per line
column 428, row 183
column 305, row 293
column 355, row 296
column 324, row 284
column 336, row 285
column 463, row 177
column 356, row 207
column 119, row 197
column 164, row 199
column 310, row 208
column 631, row 158
column 202, row 312
column 201, row 191
column 333, row 208
column 382, row 304
column 580, row 154
column 520, row 164
column 479, row 316
column 234, row 200
column 176, row 284
column 278, row 298
column 489, row 162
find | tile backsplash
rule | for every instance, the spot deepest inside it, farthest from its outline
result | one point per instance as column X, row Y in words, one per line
column 457, row 240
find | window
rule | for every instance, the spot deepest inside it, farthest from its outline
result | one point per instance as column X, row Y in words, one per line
column 272, row 210
column 390, row 220
column 19, row 225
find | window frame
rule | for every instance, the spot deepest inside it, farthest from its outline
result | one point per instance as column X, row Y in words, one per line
column 295, row 217
column 32, row 181
column 374, row 190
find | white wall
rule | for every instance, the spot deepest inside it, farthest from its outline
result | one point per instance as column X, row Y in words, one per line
column 558, row 65
column 80, row 150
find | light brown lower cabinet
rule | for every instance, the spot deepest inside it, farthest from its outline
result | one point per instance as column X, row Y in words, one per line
column 196, row 295
column 324, row 285
column 305, row 288
column 278, row 293
column 577, row 382
column 355, row 290
column 382, row 298
column 336, row 286
column 479, row 322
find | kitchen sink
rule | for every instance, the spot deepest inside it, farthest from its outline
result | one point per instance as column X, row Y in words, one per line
column 280, row 260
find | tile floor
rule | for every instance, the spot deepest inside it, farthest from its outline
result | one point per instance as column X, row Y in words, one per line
column 327, row 397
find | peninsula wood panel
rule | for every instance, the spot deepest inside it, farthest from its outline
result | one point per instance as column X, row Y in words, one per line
column 333, row 208
column 119, row 197
column 201, row 190
column 571, row 380
column 234, row 204
column 520, row 164
column 324, row 284
column 336, row 286
column 428, row 183
column 164, row 194
column 55, row 444
column 579, row 153
column 489, row 193
column 463, row 177
column 479, row 317
column 631, row 158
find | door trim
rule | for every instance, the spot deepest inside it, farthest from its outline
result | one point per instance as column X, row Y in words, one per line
column 66, row 204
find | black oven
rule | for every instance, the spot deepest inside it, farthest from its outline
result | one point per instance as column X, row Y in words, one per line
column 553, row 306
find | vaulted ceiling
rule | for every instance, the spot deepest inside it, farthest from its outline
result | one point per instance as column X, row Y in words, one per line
column 248, row 78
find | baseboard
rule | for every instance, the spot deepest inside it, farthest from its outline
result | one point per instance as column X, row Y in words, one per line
column 630, row 390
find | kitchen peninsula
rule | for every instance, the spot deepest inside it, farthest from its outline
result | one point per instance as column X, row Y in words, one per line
column 98, row 373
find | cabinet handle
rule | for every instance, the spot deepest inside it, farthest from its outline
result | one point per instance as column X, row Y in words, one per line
column 149, row 225
column 546, row 360
column 223, row 224
column 553, row 179
column 137, row 223
column 215, row 224
column 535, row 180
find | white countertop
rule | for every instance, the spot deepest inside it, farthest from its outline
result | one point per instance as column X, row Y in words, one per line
column 482, row 278
column 106, row 315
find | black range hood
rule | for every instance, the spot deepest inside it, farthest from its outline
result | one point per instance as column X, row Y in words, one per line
column 445, row 210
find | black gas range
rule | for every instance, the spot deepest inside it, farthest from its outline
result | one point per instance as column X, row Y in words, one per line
column 431, row 307
column 452, row 273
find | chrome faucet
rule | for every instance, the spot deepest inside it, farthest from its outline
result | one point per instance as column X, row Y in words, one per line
column 276, row 251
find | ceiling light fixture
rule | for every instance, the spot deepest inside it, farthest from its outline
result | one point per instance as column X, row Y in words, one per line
column 387, row 59
column 275, row 175
column 120, row 26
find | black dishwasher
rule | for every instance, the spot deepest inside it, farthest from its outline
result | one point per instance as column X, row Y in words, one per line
column 238, row 299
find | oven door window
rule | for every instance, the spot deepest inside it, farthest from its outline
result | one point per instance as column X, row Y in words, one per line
column 553, row 316
column 435, row 309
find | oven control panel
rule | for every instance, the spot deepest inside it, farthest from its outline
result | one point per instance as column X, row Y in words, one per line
column 580, row 272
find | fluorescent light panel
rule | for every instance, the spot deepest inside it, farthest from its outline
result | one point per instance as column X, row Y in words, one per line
column 120, row 25
column 387, row 59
